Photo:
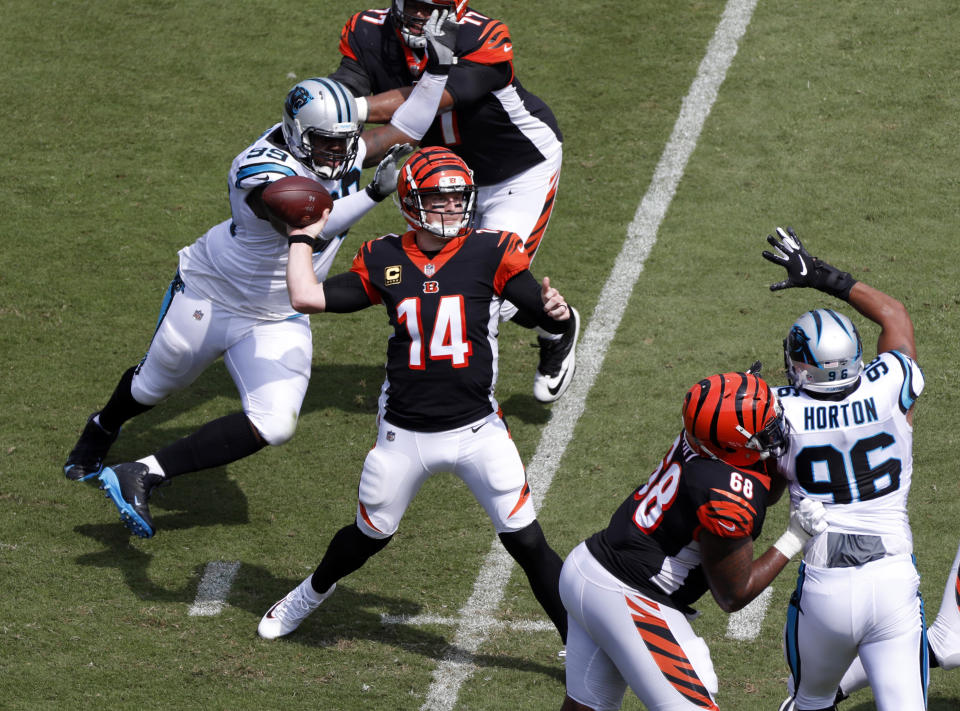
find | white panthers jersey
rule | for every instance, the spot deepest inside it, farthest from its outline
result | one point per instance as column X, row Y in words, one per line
column 241, row 263
column 855, row 454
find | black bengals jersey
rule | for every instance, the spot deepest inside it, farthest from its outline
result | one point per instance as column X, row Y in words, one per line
column 499, row 128
column 652, row 542
column 444, row 310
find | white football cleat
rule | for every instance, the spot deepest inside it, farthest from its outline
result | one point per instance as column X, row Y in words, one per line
column 287, row 614
column 557, row 363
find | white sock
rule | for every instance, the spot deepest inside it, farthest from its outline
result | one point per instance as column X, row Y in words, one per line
column 153, row 465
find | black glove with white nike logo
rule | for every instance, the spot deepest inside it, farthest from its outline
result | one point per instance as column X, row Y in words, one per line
column 804, row 270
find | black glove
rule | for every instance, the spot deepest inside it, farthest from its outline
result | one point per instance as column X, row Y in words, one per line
column 441, row 34
column 755, row 368
column 385, row 178
column 804, row 270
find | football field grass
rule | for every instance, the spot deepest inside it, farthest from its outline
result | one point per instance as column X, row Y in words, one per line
column 121, row 119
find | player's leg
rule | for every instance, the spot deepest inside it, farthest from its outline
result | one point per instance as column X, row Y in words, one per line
column 894, row 648
column 103, row 427
column 648, row 645
column 489, row 464
column 591, row 678
column 944, row 633
column 824, row 619
column 391, row 477
column 523, row 204
column 190, row 336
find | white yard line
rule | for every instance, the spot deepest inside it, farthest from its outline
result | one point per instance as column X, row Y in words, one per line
column 473, row 627
column 745, row 624
column 214, row 585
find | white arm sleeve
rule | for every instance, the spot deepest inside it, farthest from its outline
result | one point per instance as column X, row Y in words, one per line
column 415, row 115
column 346, row 211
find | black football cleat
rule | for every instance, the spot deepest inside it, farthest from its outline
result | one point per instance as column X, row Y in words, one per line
column 557, row 363
column 129, row 486
column 86, row 458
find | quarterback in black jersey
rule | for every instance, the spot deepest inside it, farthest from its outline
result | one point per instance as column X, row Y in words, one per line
column 441, row 284
column 508, row 136
column 690, row 528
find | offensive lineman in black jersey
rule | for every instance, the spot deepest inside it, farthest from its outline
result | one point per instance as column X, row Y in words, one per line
column 441, row 284
column 689, row 529
column 508, row 136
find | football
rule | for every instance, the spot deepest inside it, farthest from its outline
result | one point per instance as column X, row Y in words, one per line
column 297, row 201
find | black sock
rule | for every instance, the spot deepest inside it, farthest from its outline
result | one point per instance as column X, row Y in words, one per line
column 542, row 566
column 121, row 406
column 349, row 549
column 217, row 443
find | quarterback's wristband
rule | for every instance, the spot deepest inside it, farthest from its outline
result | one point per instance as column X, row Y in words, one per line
column 303, row 239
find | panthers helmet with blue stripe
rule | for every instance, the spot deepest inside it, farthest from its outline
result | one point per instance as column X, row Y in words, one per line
column 823, row 352
column 321, row 126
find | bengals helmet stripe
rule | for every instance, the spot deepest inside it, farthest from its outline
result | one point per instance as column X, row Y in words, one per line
column 733, row 417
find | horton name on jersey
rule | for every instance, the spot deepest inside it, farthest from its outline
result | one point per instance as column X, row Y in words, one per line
column 831, row 417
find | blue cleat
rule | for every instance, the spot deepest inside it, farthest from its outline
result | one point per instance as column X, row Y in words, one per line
column 129, row 486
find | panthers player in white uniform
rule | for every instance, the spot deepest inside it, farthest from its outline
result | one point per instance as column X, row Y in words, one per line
column 850, row 446
column 229, row 297
column 943, row 640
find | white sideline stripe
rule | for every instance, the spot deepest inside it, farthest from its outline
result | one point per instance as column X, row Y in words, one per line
column 458, row 665
column 491, row 623
column 745, row 624
column 214, row 585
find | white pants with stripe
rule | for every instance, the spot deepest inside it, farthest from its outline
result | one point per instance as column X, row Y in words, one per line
column 617, row 637
column 481, row 454
column 873, row 610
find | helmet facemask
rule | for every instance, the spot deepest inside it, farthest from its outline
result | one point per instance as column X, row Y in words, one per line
column 329, row 154
column 410, row 24
column 435, row 217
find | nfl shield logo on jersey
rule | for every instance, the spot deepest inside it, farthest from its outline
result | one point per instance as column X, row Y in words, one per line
column 198, row 314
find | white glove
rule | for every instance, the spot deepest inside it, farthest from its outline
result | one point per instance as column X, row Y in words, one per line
column 440, row 32
column 385, row 178
column 806, row 520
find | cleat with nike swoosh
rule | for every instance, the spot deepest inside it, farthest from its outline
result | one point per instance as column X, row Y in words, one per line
column 557, row 363
column 129, row 486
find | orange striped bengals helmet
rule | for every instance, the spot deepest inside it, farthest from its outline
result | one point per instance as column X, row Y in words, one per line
column 734, row 417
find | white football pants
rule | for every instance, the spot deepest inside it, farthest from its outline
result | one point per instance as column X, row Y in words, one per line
column 617, row 637
column 481, row 454
column 269, row 361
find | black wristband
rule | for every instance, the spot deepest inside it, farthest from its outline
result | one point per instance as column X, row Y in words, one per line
column 831, row 280
column 373, row 193
column 303, row 239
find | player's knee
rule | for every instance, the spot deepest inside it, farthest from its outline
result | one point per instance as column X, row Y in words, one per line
column 274, row 428
column 527, row 544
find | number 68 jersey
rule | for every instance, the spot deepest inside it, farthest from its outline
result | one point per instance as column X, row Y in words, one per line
column 853, row 452
column 652, row 540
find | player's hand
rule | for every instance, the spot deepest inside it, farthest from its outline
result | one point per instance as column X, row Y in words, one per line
column 385, row 178
column 807, row 519
column 791, row 255
column 803, row 269
column 553, row 302
column 440, row 32
column 311, row 234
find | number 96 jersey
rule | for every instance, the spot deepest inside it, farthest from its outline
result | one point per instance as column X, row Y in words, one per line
column 854, row 453
column 652, row 541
